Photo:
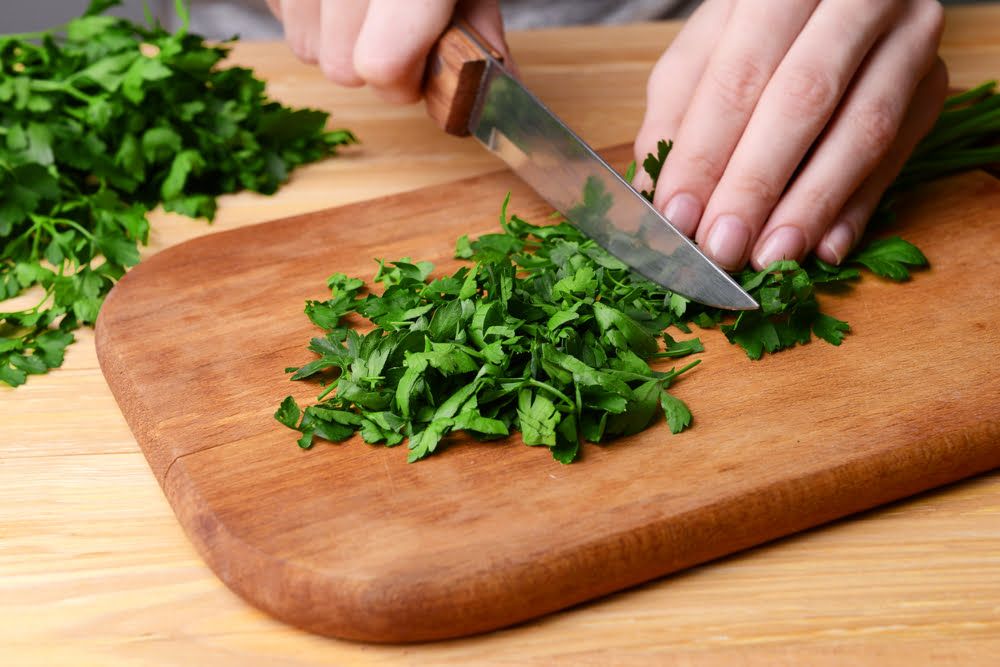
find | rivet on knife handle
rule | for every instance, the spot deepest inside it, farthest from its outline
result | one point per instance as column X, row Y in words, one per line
column 455, row 69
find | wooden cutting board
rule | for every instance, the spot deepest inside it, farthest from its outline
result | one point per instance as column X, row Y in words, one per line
column 349, row 540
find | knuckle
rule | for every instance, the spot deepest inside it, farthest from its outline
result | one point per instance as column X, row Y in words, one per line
column 738, row 82
column 703, row 166
column 758, row 187
column 876, row 124
column 810, row 90
column 381, row 70
column 815, row 210
column 338, row 70
column 302, row 48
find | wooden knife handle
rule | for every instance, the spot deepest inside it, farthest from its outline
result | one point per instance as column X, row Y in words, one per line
column 455, row 68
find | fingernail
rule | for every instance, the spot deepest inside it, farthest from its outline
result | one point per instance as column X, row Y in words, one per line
column 727, row 242
column 838, row 242
column 783, row 243
column 683, row 211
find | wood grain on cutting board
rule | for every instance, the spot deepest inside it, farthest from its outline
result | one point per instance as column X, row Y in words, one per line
column 351, row 541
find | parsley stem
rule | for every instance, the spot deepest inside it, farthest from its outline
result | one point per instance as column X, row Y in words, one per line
column 685, row 369
column 944, row 163
column 970, row 95
column 49, row 86
column 36, row 230
column 326, row 392
column 65, row 221
column 671, row 354
column 547, row 387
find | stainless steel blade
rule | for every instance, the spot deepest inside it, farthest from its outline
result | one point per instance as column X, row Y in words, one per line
column 516, row 127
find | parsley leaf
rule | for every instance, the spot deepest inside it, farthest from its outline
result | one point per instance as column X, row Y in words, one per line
column 677, row 413
column 890, row 258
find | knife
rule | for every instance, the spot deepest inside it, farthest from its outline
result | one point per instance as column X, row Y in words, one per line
column 469, row 91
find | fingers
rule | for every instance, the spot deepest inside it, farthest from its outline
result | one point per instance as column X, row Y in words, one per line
column 674, row 79
column 849, row 224
column 300, row 19
column 793, row 110
column 722, row 104
column 855, row 141
column 394, row 42
column 821, row 104
column 340, row 23
column 382, row 43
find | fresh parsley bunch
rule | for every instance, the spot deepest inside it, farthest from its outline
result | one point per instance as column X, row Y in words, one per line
column 550, row 335
column 100, row 122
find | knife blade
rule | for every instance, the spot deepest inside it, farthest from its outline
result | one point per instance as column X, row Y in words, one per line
column 469, row 91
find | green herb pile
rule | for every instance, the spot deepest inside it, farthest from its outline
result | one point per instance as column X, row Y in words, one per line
column 519, row 341
column 549, row 335
column 100, row 122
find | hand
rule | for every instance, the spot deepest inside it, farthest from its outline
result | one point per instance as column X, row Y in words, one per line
column 382, row 43
column 790, row 118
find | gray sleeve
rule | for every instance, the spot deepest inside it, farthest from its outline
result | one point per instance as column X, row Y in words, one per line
column 521, row 14
column 251, row 19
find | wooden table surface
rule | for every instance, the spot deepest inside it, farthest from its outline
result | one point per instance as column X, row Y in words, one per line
column 95, row 570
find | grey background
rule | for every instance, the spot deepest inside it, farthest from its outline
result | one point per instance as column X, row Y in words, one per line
column 32, row 15
column 214, row 19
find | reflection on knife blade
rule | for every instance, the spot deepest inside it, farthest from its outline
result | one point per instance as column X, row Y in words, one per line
column 515, row 126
